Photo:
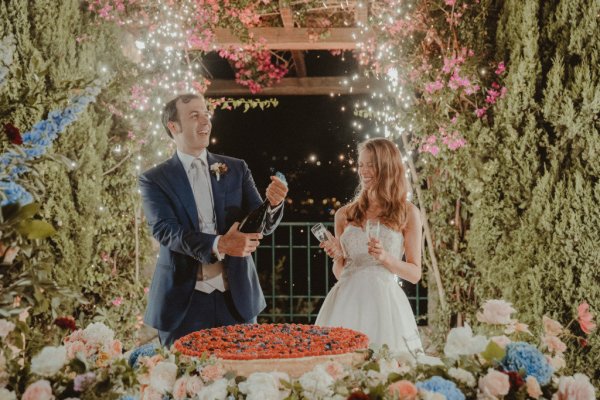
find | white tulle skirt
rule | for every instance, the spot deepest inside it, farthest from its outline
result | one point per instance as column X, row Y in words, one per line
column 369, row 300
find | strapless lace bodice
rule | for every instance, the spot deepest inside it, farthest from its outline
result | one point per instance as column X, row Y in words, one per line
column 354, row 241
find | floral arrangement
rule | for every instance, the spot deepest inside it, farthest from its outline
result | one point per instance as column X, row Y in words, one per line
column 502, row 360
column 34, row 143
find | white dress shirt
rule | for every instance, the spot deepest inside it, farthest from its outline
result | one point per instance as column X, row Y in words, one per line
column 208, row 224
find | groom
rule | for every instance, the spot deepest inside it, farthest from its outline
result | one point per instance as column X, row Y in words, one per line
column 205, row 276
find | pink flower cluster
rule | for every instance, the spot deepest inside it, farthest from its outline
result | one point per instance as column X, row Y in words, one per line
column 96, row 343
column 139, row 97
column 453, row 141
column 255, row 68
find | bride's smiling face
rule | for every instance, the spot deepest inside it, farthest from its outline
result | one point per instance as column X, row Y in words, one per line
column 366, row 169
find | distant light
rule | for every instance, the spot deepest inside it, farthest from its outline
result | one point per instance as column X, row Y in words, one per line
column 312, row 158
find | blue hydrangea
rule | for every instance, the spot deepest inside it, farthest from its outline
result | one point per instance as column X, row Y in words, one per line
column 147, row 350
column 521, row 356
column 442, row 386
column 37, row 141
column 14, row 193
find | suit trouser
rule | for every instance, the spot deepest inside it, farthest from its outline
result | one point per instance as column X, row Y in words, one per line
column 207, row 310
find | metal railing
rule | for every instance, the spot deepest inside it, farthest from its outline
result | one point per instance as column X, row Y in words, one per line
column 295, row 276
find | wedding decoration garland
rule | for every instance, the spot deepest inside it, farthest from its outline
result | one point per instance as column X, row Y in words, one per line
column 36, row 142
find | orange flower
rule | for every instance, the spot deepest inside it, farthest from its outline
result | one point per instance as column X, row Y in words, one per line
column 403, row 390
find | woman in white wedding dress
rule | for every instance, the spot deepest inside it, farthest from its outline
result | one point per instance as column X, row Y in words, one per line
column 367, row 297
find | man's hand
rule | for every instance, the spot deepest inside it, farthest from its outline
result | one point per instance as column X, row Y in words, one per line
column 238, row 244
column 276, row 191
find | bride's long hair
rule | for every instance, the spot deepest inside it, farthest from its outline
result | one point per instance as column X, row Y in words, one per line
column 390, row 187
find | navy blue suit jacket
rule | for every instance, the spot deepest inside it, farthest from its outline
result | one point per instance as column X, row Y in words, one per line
column 171, row 213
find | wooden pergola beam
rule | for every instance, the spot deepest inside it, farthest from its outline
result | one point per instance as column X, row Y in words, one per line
column 287, row 18
column 293, row 39
column 296, row 87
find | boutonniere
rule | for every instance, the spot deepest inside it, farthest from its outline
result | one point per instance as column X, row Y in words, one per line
column 219, row 169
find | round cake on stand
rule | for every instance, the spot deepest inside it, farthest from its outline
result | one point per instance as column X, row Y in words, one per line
column 290, row 348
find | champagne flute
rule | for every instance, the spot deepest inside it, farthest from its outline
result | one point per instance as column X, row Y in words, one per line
column 372, row 229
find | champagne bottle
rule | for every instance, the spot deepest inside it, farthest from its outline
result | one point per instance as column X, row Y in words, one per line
column 255, row 221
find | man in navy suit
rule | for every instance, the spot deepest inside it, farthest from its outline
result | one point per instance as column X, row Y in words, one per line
column 205, row 275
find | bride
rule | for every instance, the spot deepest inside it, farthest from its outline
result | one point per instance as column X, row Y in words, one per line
column 367, row 297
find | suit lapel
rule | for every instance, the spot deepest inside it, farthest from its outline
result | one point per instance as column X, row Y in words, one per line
column 176, row 177
column 218, row 189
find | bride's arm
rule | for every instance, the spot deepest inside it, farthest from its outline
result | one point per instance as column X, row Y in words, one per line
column 410, row 269
column 334, row 247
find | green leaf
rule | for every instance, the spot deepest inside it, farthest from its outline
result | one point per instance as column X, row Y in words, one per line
column 28, row 211
column 35, row 229
column 493, row 352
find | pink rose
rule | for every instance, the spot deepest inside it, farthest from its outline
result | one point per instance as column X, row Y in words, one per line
column 212, row 372
column 552, row 327
column 496, row 312
column 533, row 387
column 557, row 362
column 585, row 318
column 335, row 370
column 194, row 385
column 495, row 384
column 516, row 326
column 403, row 390
column 115, row 349
column 74, row 348
column 117, row 301
column 554, row 344
column 180, row 388
column 40, row 390
column 576, row 387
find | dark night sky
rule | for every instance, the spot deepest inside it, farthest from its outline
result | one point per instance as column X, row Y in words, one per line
column 286, row 136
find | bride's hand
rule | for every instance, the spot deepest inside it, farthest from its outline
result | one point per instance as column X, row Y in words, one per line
column 332, row 246
column 376, row 250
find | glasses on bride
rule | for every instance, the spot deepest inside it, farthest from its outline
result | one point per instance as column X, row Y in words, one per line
column 372, row 228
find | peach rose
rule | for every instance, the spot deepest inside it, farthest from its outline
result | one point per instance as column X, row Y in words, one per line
column 40, row 390
column 150, row 393
column 496, row 312
column 554, row 344
column 403, row 390
column 533, row 387
column 576, row 387
column 494, row 384
column 180, row 388
column 212, row 372
column 557, row 362
column 551, row 327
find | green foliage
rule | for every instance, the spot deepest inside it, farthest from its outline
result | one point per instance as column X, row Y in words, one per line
column 93, row 209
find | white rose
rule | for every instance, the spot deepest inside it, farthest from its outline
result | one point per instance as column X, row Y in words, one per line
column 316, row 384
column 215, row 391
column 262, row 386
column 6, row 327
column 462, row 376
column 49, row 361
column 5, row 394
column 163, row 376
column 462, row 342
column 98, row 333
column 387, row 367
